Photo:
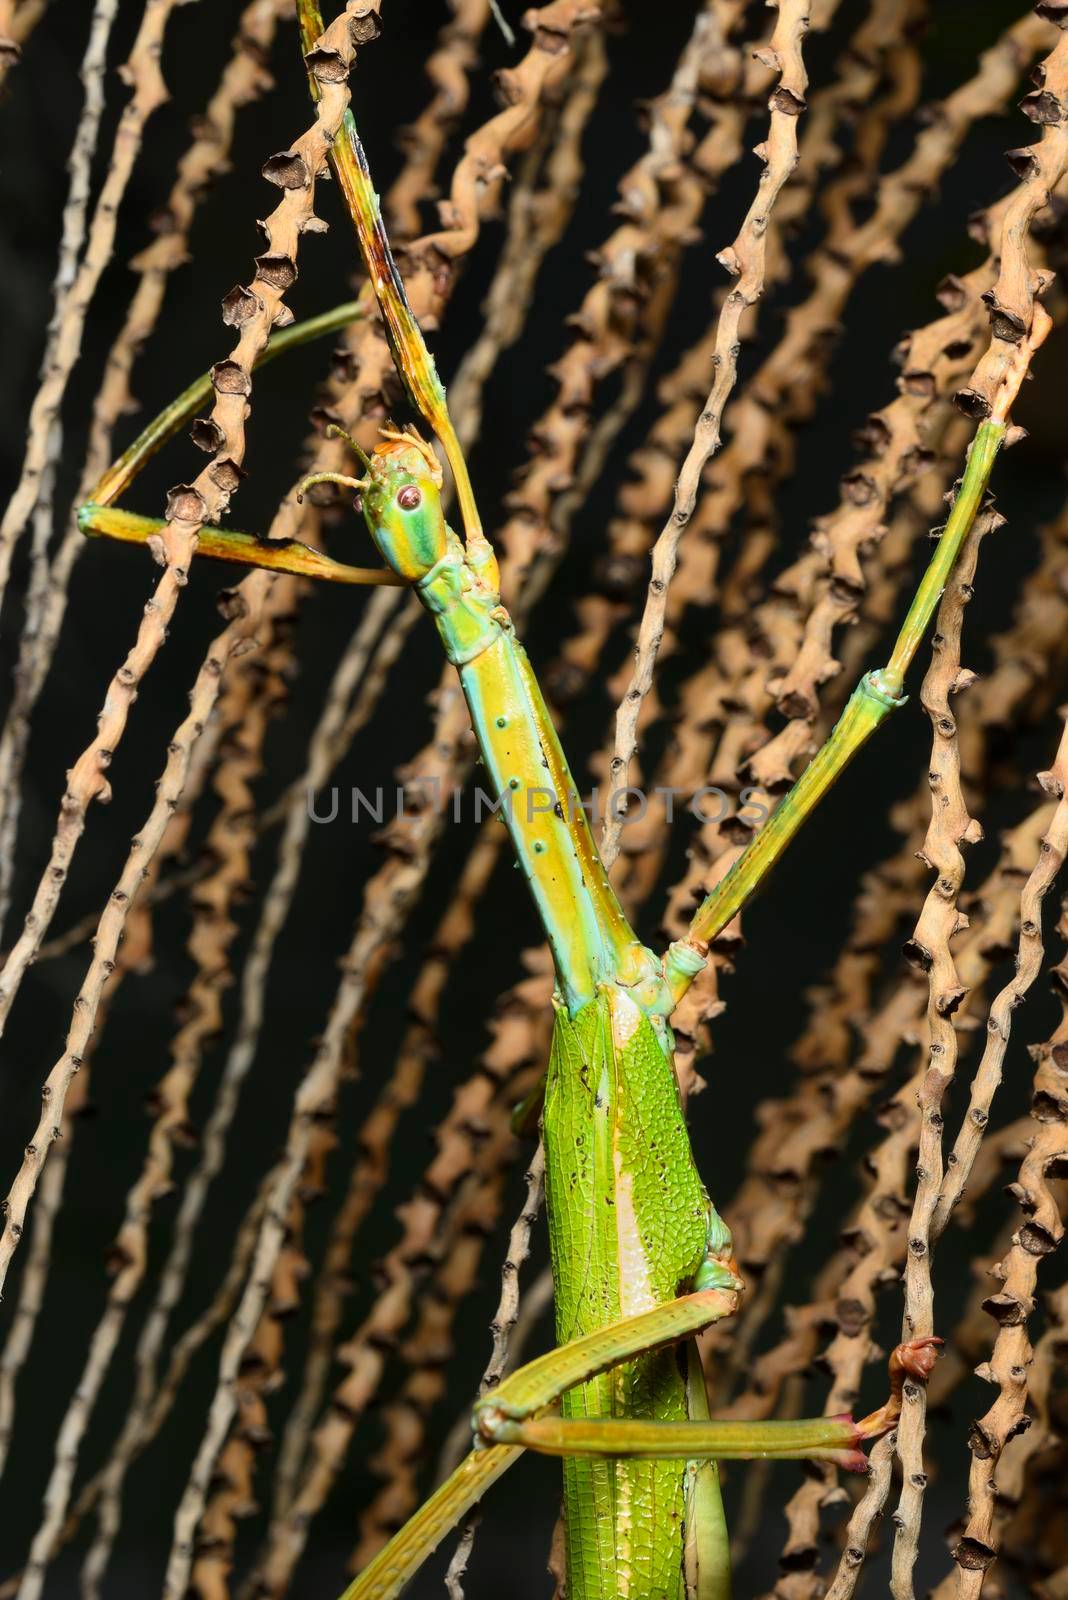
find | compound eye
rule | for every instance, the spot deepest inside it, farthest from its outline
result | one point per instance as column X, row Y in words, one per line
column 409, row 497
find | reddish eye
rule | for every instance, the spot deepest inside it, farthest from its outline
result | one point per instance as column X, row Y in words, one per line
column 409, row 497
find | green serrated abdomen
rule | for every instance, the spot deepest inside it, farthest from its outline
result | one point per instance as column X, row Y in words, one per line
column 628, row 1220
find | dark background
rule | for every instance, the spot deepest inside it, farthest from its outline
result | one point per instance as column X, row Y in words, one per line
column 793, row 933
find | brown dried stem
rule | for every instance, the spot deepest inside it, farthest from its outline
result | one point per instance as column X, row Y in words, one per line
column 810, row 1124
column 449, row 69
column 243, row 80
column 135, row 956
column 1028, row 964
column 72, row 240
column 244, row 714
column 951, row 827
column 401, row 1457
column 478, row 1107
column 148, row 92
column 745, row 259
column 876, row 1239
column 427, row 1350
column 540, row 207
column 17, row 22
column 1040, row 1234
column 823, row 590
column 1018, row 327
column 353, row 399
column 255, row 311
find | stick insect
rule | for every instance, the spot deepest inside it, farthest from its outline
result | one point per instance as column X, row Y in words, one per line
column 641, row 1260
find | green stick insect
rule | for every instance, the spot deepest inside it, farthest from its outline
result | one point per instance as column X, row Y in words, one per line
column 641, row 1260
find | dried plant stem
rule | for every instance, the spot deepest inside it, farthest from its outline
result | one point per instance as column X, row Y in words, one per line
column 507, row 1314
column 865, row 1518
column 193, row 1339
column 429, row 1346
column 17, row 22
column 243, row 80
column 334, row 1283
column 459, row 1143
column 873, row 1242
column 148, row 93
column 457, row 1567
column 880, row 1236
column 845, row 1296
column 824, row 589
column 1018, row 325
column 269, row 1243
column 538, row 213
column 745, row 258
column 1042, row 1158
column 1040, row 1451
column 811, row 1123
column 1028, row 964
column 35, row 1277
column 503, row 1327
column 449, row 68
column 1043, row 1229
column 189, row 507
column 468, row 1222
column 72, row 239
column 244, row 717
column 951, row 827
column 134, row 957
column 852, row 1340
column 347, row 404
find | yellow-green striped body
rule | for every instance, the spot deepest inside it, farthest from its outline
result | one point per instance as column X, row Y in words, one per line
column 629, row 1226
